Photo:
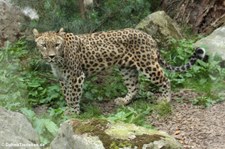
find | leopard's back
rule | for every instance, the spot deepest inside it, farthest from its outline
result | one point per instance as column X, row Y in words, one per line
column 104, row 49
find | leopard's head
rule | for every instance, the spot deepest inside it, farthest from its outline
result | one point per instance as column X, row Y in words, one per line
column 51, row 45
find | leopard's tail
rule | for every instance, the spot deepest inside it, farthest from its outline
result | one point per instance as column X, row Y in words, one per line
column 198, row 54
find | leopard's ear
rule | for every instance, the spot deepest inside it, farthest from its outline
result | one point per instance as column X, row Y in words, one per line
column 61, row 32
column 35, row 32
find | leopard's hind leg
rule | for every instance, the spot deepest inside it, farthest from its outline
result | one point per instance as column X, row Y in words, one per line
column 155, row 74
column 130, row 77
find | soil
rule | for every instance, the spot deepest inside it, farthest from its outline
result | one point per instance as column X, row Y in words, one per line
column 194, row 126
column 106, row 107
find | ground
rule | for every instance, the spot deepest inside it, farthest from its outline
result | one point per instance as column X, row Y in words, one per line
column 194, row 126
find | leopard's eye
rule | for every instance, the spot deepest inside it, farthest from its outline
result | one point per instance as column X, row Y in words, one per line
column 57, row 44
column 43, row 45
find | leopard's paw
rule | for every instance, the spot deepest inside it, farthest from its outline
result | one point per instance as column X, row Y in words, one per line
column 121, row 101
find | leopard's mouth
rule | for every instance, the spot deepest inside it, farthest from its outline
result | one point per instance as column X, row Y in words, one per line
column 51, row 61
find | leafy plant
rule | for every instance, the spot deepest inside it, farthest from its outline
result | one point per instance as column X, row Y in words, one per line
column 132, row 114
column 45, row 128
column 12, row 87
column 104, row 87
column 43, row 90
column 206, row 78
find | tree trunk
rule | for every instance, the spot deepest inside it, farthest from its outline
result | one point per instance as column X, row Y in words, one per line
column 203, row 15
column 82, row 8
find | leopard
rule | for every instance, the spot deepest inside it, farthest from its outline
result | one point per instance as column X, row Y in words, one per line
column 74, row 57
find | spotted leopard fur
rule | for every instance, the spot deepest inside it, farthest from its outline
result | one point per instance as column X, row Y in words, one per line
column 74, row 57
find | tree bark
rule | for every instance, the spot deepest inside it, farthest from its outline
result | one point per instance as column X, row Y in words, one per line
column 203, row 15
column 82, row 8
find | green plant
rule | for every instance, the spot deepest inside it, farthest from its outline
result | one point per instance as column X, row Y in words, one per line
column 90, row 111
column 43, row 90
column 205, row 78
column 132, row 114
column 104, row 86
column 45, row 128
column 12, row 87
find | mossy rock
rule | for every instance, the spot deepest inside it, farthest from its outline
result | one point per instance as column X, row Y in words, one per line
column 161, row 27
column 102, row 134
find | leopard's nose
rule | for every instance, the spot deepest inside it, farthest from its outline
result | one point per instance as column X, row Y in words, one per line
column 51, row 56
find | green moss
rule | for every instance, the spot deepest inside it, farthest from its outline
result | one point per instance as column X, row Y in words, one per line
column 89, row 126
column 98, row 127
column 140, row 140
column 116, row 145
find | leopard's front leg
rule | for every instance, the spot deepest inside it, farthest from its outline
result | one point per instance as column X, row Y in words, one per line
column 72, row 90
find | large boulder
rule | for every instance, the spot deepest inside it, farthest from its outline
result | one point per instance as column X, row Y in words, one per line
column 214, row 43
column 161, row 27
column 101, row 134
column 16, row 131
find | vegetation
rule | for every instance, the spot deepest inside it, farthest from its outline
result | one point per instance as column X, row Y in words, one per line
column 204, row 78
column 26, row 83
column 103, row 15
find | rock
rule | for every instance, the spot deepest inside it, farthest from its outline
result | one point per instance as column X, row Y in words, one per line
column 101, row 134
column 16, row 131
column 12, row 19
column 214, row 43
column 161, row 27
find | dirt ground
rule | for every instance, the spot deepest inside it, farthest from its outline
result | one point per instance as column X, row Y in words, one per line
column 194, row 126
